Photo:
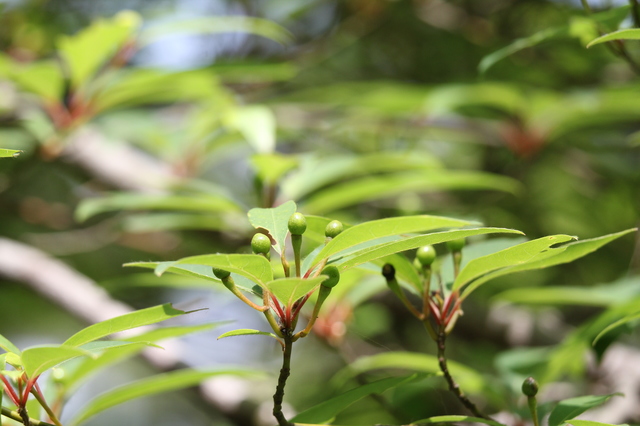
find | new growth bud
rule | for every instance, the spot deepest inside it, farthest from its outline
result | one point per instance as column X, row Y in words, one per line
column 220, row 273
column 333, row 229
column 530, row 387
column 297, row 224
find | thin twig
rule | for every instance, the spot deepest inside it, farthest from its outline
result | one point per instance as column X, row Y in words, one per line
column 14, row 415
column 282, row 381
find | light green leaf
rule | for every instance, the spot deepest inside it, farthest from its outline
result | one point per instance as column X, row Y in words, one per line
column 275, row 221
column 246, row 332
column 153, row 222
column 257, row 124
column 626, row 34
column 123, row 322
column 385, row 249
column 573, row 407
column 468, row 379
column 455, row 419
column 288, row 290
column 8, row 346
column 136, row 201
column 256, row 268
column 43, row 78
column 617, row 324
column 271, row 167
column 381, row 228
column 576, row 422
column 37, row 360
column 553, row 256
column 9, row 152
column 153, row 385
column 378, row 187
column 89, row 49
column 327, row 410
column 216, row 25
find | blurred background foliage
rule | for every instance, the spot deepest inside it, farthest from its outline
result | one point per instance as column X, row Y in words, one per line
column 150, row 128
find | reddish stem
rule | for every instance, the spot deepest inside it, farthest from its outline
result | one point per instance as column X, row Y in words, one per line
column 456, row 307
column 27, row 390
column 10, row 391
column 435, row 312
column 276, row 305
column 297, row 309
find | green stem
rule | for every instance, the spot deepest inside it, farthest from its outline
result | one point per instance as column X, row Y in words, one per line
column 533, row 407
column 282, row 380
column 635, row 12
column 453, row 386
column 14, row 415
column 296, row 242
column 43, row 403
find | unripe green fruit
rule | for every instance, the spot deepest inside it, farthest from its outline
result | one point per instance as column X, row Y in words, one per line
column 297, row 224
column 426, row 255
column 456, row 245
column 333, row 229
column 333, row 274
column 530, row 387
column 389, row 272
column 220, row 273
column 260, row 244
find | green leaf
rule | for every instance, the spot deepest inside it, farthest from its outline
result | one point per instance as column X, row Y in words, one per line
column 385, row 249
column 257, row 124
column 375, row 229
column 254, row 267
column 573, row 407
column 37, row 360
column 455, row 419
column 246, row 332
column 123, row 322
column 576, row 422
column 288, row 290
column 136, row 201
column 378, row 187
column 8, row 346
column 328, row 409
column 216, row 25
column 9, row 152
column 89, row 49
column 626, row 34
column 617, row 324
column 275, row 221
column 271, row 167
column 43, row 78
column 153, row 385
column 468, row 379
column 153, row 222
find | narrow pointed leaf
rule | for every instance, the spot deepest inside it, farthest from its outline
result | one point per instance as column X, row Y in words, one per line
column 386, row 249
column 381, row 228
column 615, row 325
column 8, row 346
column 274, row 220
column 576, row 422
column 626, row 34
column 37, row 360
column 288, row 290
column 327, row 410
column 246, row 332
column 256, row 268
column 153, row 385
column 9, row 152
column 455, row 419
column 124, row 322
column 573, row 407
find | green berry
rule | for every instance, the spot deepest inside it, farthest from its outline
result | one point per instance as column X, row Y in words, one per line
column 333, row 229
column 389, row 272
column 220, row 273
column 456, row 245
column 260, row 244
column 297, row 224
column 426, row 255
column 333, row 274
column 530, row 387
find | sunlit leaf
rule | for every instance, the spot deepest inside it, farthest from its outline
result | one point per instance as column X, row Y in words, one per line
column 246, row 332
column 327, row 410
column 8, row 346
column 153, row 385
column 37, row 360
column 456, row 419
column 9, row 152
column 573, row 407
column 576, row 422
column 43, row 78
column 626, row 34
column 288, row 290
column 275, row 220
column 257, row 124
column 271, row 167
column 123, row 322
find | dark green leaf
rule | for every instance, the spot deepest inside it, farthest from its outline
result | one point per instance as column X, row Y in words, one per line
column 573, row 407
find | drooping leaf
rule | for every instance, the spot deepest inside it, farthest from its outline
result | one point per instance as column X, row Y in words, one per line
column 288, row 290
column 381, row 228
column 150, row 386
column 573, row 407
column 37, row 360
column 123, row 322
column 257, row 124
column 135, row 201
column 626, row 34
column 275, row 221
column 255, row 268
column 8, row 346
column 386, row 249
column 327, row 410
column 576, row 422
column 467, row 378
column 619, row 323
column 246, row 332
column 456, row 419
column 9, row 153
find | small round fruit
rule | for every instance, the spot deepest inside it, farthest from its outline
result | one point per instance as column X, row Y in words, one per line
column 333, row 274
column 530, row 387
column 297, row 224
column 388, row 271
column 333, row 229
column 260, row 244
column 456, row 245
column 426, row 255
column 220, row 273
